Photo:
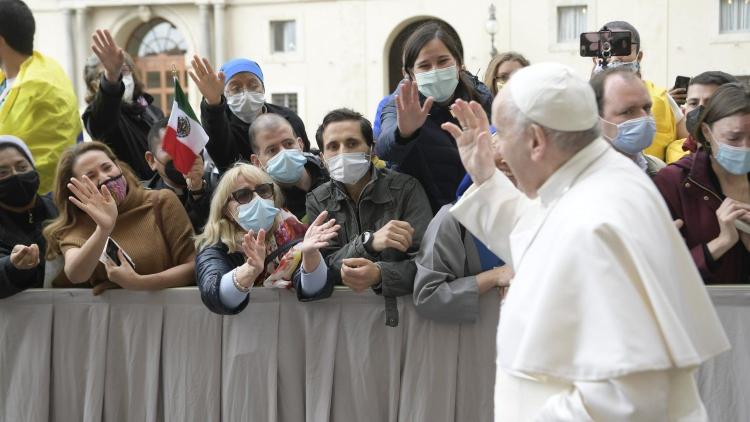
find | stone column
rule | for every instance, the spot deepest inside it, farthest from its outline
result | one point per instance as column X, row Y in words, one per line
column 219, row 31
column 205, row 18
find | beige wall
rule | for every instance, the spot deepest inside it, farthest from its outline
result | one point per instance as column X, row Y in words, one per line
column 341, row 59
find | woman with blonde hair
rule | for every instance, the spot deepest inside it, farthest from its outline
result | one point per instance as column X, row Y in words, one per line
column 501, row 67
column 101, row 201
column 249, row 240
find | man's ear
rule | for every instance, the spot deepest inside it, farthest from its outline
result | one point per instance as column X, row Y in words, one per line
column 639, row 57
column 301, row 144
column 254, row 160
column 538, row 142
column 150, row 160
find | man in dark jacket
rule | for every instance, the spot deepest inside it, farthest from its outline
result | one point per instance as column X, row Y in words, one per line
column 383, row 214
column 232, row 99
column 119, row 113
column 277, row 150
column 194, row 189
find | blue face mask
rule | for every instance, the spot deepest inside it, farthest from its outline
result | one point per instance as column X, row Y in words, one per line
column 286, row 166
column 735, row 160
column 438, row 84
column 257, row 214
column 634, row 135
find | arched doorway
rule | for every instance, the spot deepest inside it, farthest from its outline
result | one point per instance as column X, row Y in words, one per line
column 396, row 49
column 158, row 48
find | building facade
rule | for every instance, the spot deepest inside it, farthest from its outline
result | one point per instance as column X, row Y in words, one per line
column 321, row 54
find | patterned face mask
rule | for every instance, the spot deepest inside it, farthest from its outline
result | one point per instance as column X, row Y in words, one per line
column 117, row 186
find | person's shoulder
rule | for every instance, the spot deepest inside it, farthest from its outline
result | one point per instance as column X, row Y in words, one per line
column 675, row 172
column 166, row 197
column 397, row 179
column 321, row 193
column 284, row 112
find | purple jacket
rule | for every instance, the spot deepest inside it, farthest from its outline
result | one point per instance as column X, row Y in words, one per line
column 693, row 194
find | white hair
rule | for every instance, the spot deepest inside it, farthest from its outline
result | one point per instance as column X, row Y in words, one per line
column 566, row 141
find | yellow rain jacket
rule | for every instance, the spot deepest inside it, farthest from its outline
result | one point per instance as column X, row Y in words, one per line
column 665, row 145
column 42, row 110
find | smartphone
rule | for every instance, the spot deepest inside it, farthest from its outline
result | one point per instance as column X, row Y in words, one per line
column 110, row 253
column 742, row 226
column 681, row 82
column 605, row 44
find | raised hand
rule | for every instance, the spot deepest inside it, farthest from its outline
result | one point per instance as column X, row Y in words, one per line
column 410, row 115
column 254, row 248
column 319, row 233
column 210, row 83
column 25, row 257
column 473, row 140
column 97, row 203
column 395, row 234
column 109, row 53
column 194, row 178
column 359, row 274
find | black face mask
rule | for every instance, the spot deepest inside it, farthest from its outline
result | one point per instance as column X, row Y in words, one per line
column 174, row 175
column 20, row 189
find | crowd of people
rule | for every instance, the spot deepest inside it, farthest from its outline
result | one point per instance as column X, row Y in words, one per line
column 261, row 179
column 423, row 206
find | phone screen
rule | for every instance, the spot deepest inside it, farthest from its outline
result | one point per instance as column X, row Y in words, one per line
column 681, row 82
column 111, row 250
column 605, row 43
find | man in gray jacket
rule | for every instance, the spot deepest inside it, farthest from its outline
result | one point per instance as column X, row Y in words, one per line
column 383, row 214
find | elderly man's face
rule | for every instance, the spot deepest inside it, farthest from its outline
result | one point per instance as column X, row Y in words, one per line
column 511, row 145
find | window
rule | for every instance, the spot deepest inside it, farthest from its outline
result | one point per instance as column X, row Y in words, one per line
column 734, row 16
column 283, row 36
column 571, row 22
column 288, row 100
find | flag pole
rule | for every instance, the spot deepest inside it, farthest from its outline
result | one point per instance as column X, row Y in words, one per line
column 174, row 72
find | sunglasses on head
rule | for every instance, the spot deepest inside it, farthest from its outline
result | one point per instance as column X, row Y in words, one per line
column 245, row 195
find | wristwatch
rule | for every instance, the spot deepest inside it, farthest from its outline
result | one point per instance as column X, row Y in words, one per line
column 367, row 239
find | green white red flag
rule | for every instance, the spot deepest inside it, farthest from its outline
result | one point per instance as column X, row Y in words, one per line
column 185, row 137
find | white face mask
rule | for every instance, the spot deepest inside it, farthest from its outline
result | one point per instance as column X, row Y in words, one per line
column 246, row 105
column 348, row 168
column 438, row 84
column 129, row 83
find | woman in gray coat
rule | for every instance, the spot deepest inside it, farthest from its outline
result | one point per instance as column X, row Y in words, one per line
column 454, row 268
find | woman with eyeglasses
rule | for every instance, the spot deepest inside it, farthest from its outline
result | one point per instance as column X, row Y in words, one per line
column 249, row 240
column 500, row 69
column 119, row 112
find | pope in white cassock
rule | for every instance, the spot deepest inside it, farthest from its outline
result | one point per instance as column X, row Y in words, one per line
column 607, row 317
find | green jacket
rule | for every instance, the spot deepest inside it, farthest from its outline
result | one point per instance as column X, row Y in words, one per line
column 389, row 196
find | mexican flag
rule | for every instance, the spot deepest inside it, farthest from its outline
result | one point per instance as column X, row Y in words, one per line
column 185, row 137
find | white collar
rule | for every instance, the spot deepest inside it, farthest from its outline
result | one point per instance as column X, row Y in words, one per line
column 564, row 177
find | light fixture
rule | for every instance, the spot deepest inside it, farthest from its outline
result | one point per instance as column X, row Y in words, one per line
column 491, row 28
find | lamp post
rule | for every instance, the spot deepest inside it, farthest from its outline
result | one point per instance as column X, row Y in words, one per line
column 491, row 28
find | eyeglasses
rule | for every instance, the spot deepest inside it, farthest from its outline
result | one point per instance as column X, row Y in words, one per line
column 245, row 195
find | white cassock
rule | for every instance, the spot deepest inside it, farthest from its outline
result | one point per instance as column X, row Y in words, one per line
column 607, row 317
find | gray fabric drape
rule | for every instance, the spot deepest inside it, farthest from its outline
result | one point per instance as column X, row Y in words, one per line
column 135, row 356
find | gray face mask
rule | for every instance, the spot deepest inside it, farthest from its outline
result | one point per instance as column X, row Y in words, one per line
column 634, row 66
column 246, row 105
